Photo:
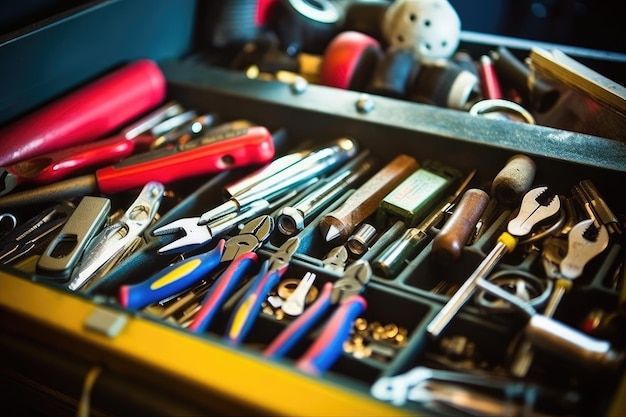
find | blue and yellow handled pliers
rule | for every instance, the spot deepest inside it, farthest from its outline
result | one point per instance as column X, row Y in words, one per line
column 238, row 252
column 249, row 307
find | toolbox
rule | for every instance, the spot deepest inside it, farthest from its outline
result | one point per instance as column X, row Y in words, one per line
column 88, row 351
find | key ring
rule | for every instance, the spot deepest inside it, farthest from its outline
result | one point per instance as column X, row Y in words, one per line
column 501, row 109
column 4, row 227
column 526, row 286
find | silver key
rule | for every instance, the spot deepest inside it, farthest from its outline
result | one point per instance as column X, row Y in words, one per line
column 294, row 304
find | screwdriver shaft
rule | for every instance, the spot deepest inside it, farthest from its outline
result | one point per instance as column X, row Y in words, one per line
column 506, row 243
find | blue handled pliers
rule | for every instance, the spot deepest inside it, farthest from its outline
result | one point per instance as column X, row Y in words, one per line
column 238, row 252
column 345, row 294
column 248, row 308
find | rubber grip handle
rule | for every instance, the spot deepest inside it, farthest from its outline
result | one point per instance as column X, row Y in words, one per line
column 170, row 281
column 535, row 92
column 455, row 233
column 328, row 346
column 90, row 112
column 57, row 165
column 288, row 338
column 248, row 308
column 221, row 290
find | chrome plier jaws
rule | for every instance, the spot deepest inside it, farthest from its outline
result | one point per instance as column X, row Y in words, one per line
column 283, row 255
column 354, row 279
column 184, row 274
column 191, row 235
column 336, row 259
column 117, row 236
column 250, row 237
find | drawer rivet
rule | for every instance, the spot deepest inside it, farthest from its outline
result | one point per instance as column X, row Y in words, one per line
column 365, row 104
column 299, row 85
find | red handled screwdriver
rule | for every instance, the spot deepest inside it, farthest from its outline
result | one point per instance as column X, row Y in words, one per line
column 88, row 113
column 61, row 164
column 237, row 148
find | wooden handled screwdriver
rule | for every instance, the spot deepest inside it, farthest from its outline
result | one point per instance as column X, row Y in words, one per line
column 340, row 223
column 456, row 232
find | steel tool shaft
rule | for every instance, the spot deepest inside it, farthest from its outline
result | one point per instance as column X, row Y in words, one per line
column 315, row 164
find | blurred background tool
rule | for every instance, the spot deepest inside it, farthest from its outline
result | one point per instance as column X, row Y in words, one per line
column 86, row 114
column 536, row 93
column 575, row 75
column 590, row 102
column 431, row 29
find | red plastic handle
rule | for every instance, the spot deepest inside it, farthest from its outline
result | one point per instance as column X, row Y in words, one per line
column 249, row 146
column 54, row 166
column 86, row 114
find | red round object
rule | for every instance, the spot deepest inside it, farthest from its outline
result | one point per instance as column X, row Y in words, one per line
column 348, row 60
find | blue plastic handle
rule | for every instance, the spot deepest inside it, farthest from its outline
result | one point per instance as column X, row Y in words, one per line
column 290, row 336
column 170, row 281
column 225, row 285
column 328, row 346
column 249, row 307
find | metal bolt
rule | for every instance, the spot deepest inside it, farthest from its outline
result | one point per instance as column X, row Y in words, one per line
column 365, row 104
column 299, row 85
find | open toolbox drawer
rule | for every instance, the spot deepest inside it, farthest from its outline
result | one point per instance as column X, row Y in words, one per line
column 57, row 342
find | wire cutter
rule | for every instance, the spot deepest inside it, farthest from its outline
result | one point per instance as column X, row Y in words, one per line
column 118, row 235
column 238, row 252
column 191, row 235
column 248, row 308
column 328, row 345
